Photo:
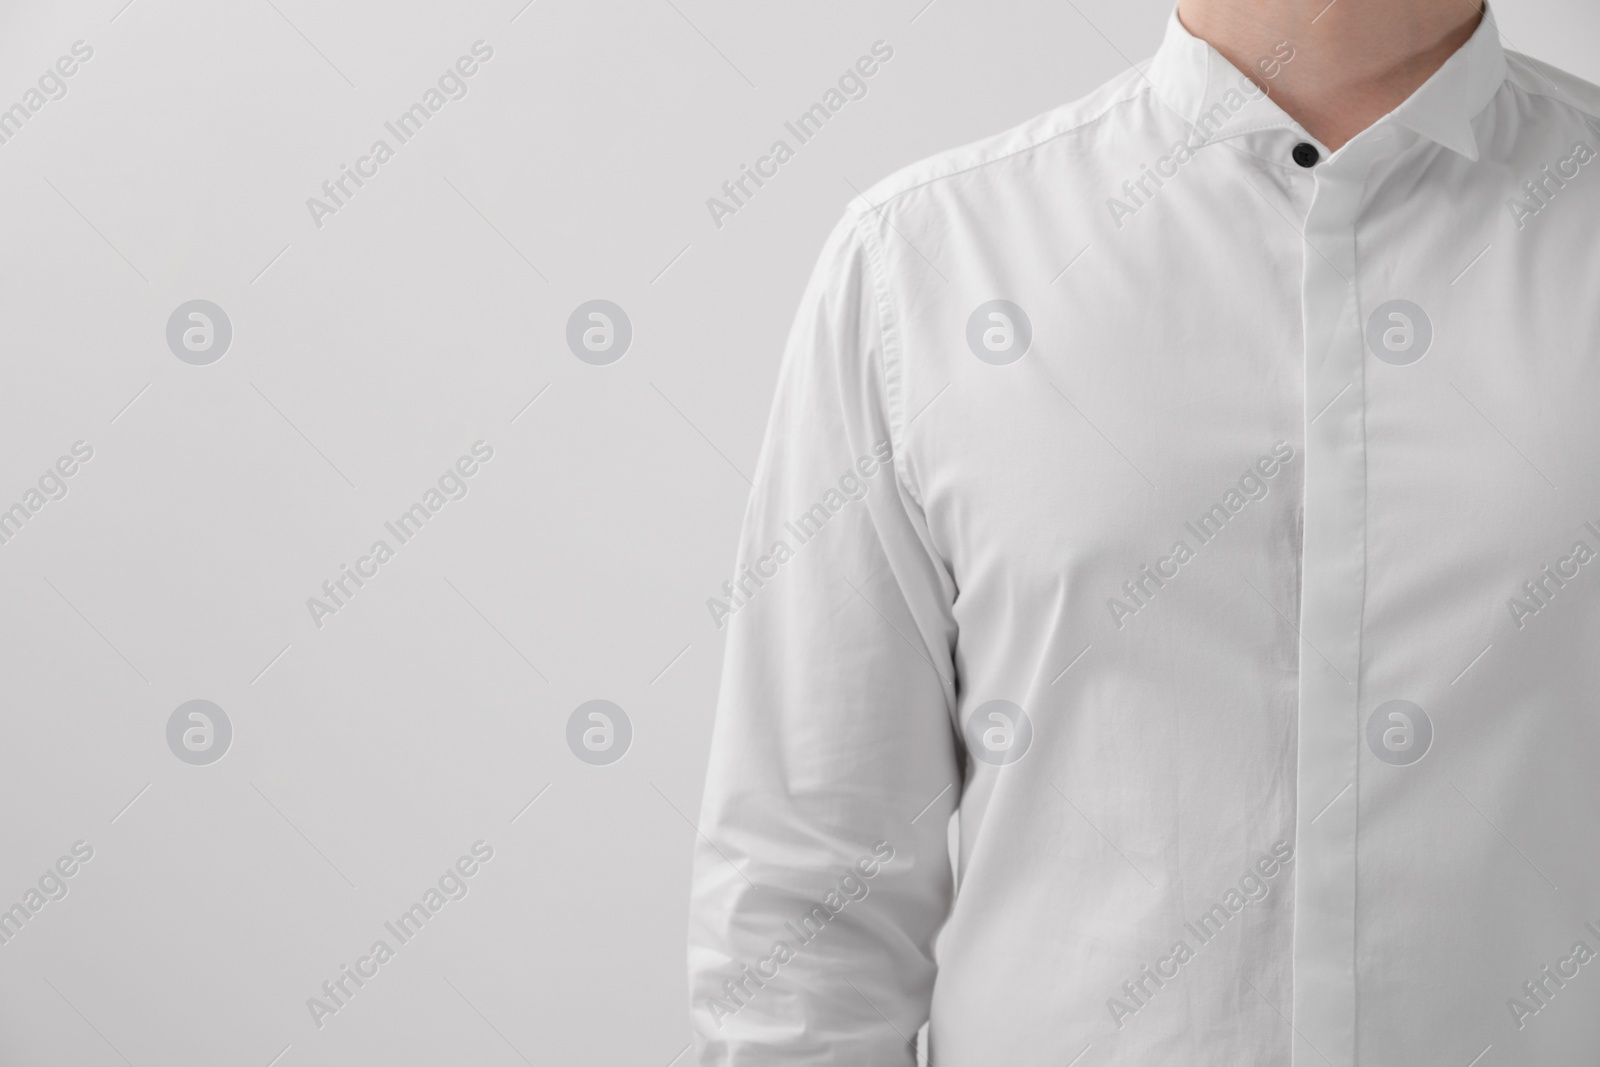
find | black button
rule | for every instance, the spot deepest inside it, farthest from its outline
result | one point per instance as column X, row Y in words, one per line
column 1306, row 154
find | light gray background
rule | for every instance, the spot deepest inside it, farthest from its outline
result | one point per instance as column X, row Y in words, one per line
column 367, row 355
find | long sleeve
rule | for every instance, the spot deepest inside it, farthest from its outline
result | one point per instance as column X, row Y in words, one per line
column 821, row 874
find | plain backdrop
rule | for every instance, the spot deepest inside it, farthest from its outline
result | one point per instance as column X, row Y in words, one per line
column 368, row 353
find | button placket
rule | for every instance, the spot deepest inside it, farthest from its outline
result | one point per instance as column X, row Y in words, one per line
column 1332, row 594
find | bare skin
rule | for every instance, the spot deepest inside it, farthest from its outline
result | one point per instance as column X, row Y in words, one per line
column 1354, row 60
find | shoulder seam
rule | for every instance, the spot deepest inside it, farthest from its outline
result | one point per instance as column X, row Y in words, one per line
column 888, row 330
column 1113, row 105
column 889, row 338
column 1554, row 92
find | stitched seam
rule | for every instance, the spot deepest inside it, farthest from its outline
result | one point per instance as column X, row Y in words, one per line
column 1555, row 94
column 1031, row 146
column 889, row 337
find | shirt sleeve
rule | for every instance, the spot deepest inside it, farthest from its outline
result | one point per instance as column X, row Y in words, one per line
column 822, row 873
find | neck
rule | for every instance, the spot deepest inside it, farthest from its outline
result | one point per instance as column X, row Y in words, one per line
column 1354, row 61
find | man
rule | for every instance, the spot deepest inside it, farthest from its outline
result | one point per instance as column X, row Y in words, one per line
column 1195, row 487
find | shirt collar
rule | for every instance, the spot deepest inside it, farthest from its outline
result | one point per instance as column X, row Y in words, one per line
column 1213, row 96
column 1208, row 93
column 1443, row 107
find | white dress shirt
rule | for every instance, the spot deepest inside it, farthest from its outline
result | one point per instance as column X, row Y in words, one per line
column 1213, row 521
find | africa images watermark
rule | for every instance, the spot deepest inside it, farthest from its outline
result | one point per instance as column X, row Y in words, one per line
column 52, row 85
column 1539, row 591
column 338, row 991
column 852, row 85
column 1542, row 190
column 52, row 885
column 1540, row 990
column 52, row 485
column 852, row 487
column 1254, row 484
column 1202, row 133
column 1254, row 887
column 851, row 887
column 452, row 85
column 452, row 485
